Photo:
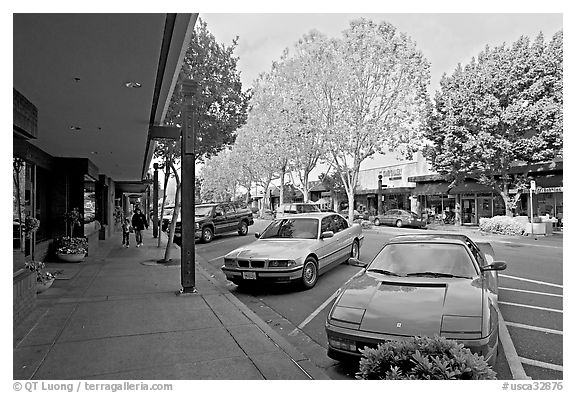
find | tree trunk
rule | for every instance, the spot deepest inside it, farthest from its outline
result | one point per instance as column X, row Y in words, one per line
column 173, row 223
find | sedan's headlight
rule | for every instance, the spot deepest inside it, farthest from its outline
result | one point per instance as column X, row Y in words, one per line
column 281, row 263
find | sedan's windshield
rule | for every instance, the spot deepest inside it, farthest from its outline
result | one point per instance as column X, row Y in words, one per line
column 291, row 228
column 425, row 259
column 202, row 211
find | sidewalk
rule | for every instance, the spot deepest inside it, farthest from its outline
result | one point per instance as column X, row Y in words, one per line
column 117, row 315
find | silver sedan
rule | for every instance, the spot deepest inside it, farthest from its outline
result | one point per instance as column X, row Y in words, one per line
column 297, row 248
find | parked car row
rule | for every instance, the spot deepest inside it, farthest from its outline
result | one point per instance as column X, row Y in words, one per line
column 427, row 284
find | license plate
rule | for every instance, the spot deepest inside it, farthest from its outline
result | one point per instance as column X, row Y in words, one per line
column 249, row 275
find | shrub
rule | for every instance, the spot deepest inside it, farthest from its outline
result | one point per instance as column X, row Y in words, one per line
column 502, row 224
column 423, row 358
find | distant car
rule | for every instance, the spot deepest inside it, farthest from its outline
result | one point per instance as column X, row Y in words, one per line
column 420, row 285
column 295, row 248
column 288, row 209
column 400, row 218
column 167, row 217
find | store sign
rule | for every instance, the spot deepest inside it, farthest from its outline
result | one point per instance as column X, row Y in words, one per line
column 543, row 190
column 392, row 173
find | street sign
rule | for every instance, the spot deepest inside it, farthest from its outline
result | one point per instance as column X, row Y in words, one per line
column 533, row 185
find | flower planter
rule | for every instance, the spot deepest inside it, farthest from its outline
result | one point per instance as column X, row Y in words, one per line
column 70, row 257
column 42, row 286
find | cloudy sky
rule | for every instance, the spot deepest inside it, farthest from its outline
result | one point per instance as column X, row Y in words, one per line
column 445, row 39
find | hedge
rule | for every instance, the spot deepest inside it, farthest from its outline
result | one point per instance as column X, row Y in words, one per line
column 423, row 358
column 502, row 225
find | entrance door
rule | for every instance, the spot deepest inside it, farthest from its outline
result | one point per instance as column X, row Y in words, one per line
column 468, row 211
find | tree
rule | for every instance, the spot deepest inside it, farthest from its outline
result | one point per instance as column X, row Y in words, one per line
column 501, row 108
column 220, row 107
column 377, row 101
column 219, row 178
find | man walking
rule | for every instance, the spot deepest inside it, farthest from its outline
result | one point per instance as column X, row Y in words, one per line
column 139, row 222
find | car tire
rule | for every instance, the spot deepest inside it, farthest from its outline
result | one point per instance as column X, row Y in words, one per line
column 309, row 273
column 243, row 229
column 377, row 222
column 207, row 235
column 355, row 251
column 399, row 223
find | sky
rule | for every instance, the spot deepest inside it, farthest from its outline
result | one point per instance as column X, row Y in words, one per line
column 444, row 39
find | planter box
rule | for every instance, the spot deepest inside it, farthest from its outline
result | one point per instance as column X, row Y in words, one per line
column 540, row 228
column 70, row 257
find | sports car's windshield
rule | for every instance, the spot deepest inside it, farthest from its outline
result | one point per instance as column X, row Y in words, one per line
column 291, row 228
column 425, row 259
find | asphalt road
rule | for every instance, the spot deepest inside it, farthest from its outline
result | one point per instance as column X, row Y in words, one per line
column 530, row 301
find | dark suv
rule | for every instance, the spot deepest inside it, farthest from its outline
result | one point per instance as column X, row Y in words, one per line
column 218, row 218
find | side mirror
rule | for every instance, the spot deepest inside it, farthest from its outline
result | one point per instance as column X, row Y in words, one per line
column 356, row 262
column 257, row 235
column 498, row 265
column 326, row 235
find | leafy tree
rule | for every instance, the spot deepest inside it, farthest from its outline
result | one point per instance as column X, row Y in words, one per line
column 378, row 100
column 220, row 106
column 501, row 108
column 219, row 180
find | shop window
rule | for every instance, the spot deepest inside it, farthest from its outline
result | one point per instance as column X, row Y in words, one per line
column 89, row 205
column 42, row 204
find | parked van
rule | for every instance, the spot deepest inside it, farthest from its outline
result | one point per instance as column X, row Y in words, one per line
column 287, row 209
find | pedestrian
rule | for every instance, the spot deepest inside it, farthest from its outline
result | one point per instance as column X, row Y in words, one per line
column 126, row 233
column 139, row 222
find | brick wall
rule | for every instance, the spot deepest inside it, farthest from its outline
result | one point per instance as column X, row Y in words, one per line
column 24, row 295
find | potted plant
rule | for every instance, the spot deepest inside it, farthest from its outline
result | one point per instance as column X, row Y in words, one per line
column 44, row 279
column 70, row 248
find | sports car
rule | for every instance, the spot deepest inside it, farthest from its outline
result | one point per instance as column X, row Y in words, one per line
column 295, row 248
column 420, row 285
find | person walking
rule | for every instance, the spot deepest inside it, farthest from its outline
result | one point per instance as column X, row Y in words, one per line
column 139, row 222
column 126, row 232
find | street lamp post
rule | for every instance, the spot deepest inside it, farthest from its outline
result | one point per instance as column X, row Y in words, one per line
column 188, row 258
column 155, row 203
column 379, row 204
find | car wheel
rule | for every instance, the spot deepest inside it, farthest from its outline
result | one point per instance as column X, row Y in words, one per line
column 377, row 222
column 355, row 252
column 207, row 234
column 309, row 273
column 399, row 223
column 243, row 230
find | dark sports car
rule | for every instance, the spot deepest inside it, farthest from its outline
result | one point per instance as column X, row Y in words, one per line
column 420, row 285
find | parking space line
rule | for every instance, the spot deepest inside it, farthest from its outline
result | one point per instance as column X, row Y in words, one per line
column 532, row 292
column 529, row 327
column 537, row 363
column 509, row 350
column 532, row 281
column 534, row 307
column 313, row 315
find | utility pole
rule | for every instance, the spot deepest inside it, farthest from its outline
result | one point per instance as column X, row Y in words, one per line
column 379, row 205
column 188, row 201
column 155, row 203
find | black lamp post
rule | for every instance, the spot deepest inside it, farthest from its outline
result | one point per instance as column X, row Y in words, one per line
column 155, row 203
column 379, row 194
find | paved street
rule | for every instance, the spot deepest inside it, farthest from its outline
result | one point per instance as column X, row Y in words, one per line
column 530, row 301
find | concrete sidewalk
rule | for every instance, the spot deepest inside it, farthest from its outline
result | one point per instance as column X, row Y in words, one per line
column 117, row 315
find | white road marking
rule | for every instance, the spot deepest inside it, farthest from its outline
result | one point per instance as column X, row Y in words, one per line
column 528, row 244
column 541, row 364
column 509, row 350
column 313, row 315
column 532, row 281
column 529, row 327
column 534, row 307
column 526, row 291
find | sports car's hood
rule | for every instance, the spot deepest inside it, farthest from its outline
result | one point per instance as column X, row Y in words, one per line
column 410, row 306
column 272, row 249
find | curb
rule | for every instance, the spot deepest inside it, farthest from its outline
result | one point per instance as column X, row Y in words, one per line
column 301, row 361
column 298, row 358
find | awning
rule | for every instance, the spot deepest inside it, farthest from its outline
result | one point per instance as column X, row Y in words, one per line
column 470, row 187
column 436, row 188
